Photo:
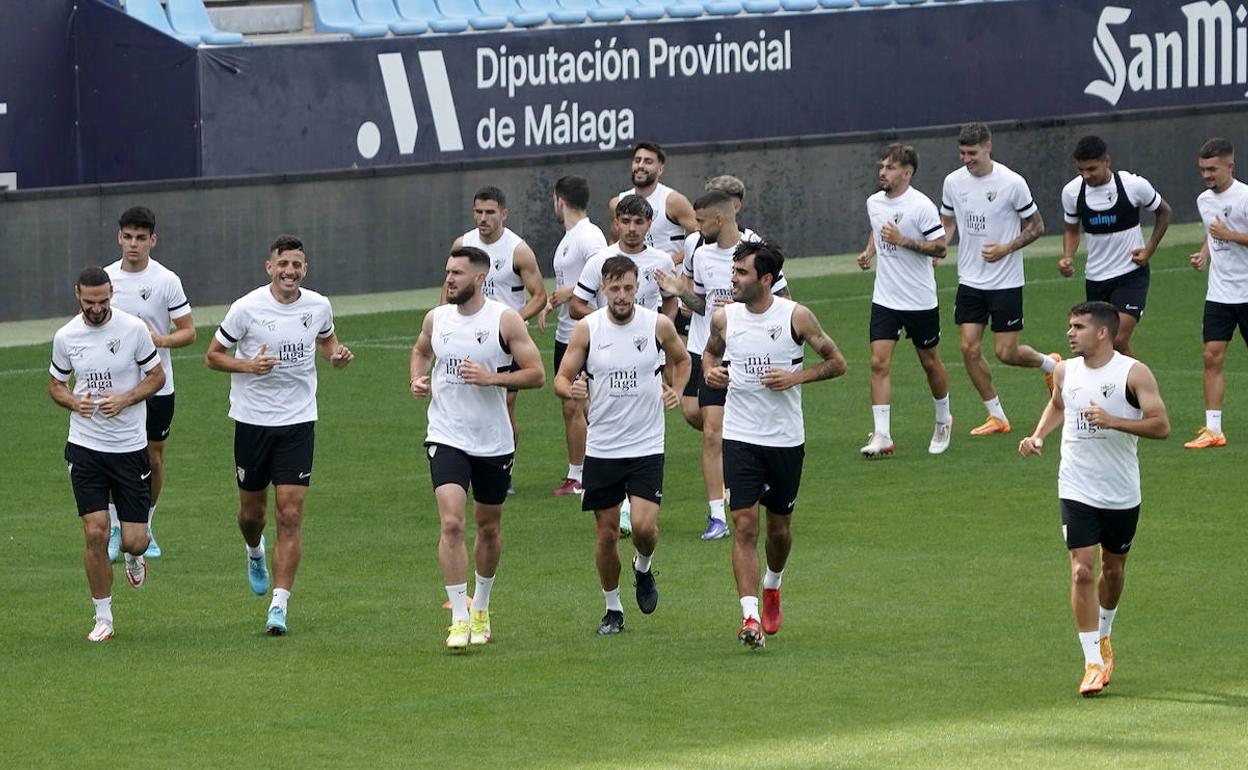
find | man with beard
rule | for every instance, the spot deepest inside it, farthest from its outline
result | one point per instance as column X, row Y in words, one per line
column 673, row 214
column 113, row 361
column 620, row 346
column 278, row 329
column 478, row 348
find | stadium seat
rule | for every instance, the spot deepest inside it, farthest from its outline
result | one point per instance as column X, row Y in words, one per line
column 340, row 16
column 722, row 7
column 761, row 6
column 384, row 12
column 910, row 2
column 427, row 11
column 596, row 12
column 552, row 9
column 874, row 3
column 467, row 9
column 835, row 4
column 189, row 17
column 511, row 11
column 150, row 13
column 799, row 5
column 636, row 10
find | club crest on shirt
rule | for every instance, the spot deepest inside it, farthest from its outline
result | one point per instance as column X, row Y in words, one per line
column 498, row 263
column 1107, row 389
column 306, row 320
column 898, row 217
column 113, row 344
column 991, row 195
column 774, row 330
column 482, row 335
column 1226, row 211
column 639, row 342
column 145, row 291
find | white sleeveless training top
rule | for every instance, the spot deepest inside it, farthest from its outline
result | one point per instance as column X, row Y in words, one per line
column 1099, row 467
column 625, row 390
column 755, row 343
column 502, row 283
column 471, row 418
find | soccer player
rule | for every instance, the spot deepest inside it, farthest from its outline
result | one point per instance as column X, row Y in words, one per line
column 152, row 292
column 581, row 240
column 755, row 350
column 1224, row 210
column 513, row 269
column 908, row 237
column 703, row 289
column 276, row 331
column 633, row 217
column 1106, row 205
column 667, row 234
column 110, row 355
column 991, row 206
column 1104, row 400
column 478, row 348
column 621, row 346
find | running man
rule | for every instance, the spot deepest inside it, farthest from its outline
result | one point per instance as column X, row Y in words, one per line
column 673, row 214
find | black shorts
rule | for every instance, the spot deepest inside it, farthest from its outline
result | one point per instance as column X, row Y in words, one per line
column 123, row 477
column 278, row 455
column 762, row 474
column 683, row 316
column 1127, row 292
column 488, row 477
column 607, row 481
column 921, row 326
column 1084, row 525
column 1222, row 319
column 1003, row 306
column 695, row 375
column 707, row 396
column 159, row 417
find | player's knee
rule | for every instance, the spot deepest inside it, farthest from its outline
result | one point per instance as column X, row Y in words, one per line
column 95, row 532
column 1007, row 353
column 608, row 530
column 1081, row 573
column 490, row 532
column 880, row 366
column 1112, row 573
column 1214, row 359
column 452, row 530
column 134, row 543
column 712, row 435
column 972, row 349
column 289, row 516
column 745, row 527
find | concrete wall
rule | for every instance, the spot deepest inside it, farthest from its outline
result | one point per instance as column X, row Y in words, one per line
column 388, row 229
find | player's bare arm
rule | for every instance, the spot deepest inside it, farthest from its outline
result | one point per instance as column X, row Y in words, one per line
column 868, row 253
column 1070, row 245
column 679, row 286
column 1154, row 422
column 1052, row 416
column 951, row 228
column 1220, row 231
column 111, row 404
column 529, row 373
column 892, row 234
column 84, row 405
column 679, row 363
column 421, row 360
column 569, row 382
column 1033, row 228
column 1199, row 259
column 183, row 334
column 335, row 352
column 713, row 370
column 832, row 365
column 1161, row 222
column 524, row 262
column 680, row 211
column 220, row 358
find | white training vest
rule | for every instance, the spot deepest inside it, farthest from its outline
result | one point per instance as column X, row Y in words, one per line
column 1099, row 467
column 755, row 343
column 471, row 418
column 664, row 235
column 625, row 389
column 502, row 283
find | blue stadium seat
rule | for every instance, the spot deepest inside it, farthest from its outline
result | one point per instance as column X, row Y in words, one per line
column 874, row 3
column 384, row 12
column 427, row 11
column 834, row 4
column 340, row 16
column 760, row 6
column 636, row 10
column 552, row 9
column 150, row 13
column 677, row 9
column 467, row 9
column 799, row 5
column 596, row 12
column 910, row 2
column 515, row 13
column 722, row 7
column 191, row 18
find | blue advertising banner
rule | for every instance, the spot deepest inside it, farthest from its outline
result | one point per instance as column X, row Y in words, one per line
column 393, row 101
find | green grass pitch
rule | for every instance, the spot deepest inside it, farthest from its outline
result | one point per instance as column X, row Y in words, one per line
column 926, row 613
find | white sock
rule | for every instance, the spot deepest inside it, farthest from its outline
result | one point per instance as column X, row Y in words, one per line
column 1106, row 621
column 613, row 599
column 255, row 552
column 458, row 594
column 1213, row 420
column 280, row 597
column 882, row 414
column 575, row 472
column 481, row 597
column 1091, row 643
column 641, row 562
column 749, row 607
column 150, row 513
column 1047, row 364
column 626, row 507
column 717, row 509
column 103, row 608
column 994, row 408
column 942, row 409
column 771, row 580
column 113, row 521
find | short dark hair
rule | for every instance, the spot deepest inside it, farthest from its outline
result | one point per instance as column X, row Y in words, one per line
column 574, row 191
column 140, row 217
column 974, row 133
column 1090, row 147
column 768, row 259
column 634, row 206
column 286, row 243
column 476, row 257
column 1102, row 314
column 491, row 193
column 713, row 199
column 652, row 147
column 92, row 276
column 1217, row 147
column 904, row 154
column 618, row 267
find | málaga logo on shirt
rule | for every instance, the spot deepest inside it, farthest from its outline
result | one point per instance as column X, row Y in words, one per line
column 306, row 320
column 774, row 330
column 991, row 195
column 639, row 342
column 113, row 344
column 482, row 335
column 145, row 291
column 1107, row 389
